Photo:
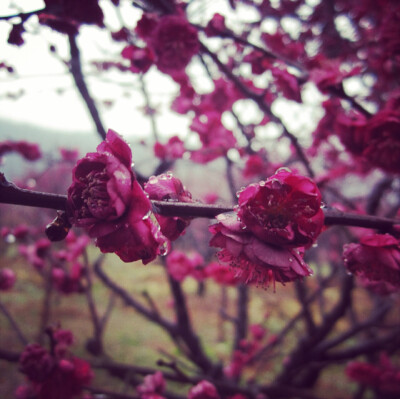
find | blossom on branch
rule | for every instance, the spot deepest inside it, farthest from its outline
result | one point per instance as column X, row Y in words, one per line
column 152, row 387
column 284, row 210
column 376, row 258
column 30, row 151
column 172, row 39
column 166, row 187
column 55, row 373
column 383, row 376
column 203, row 390
column 181, row 265
column 7, row 279
column 106, row 199
column 253, row 260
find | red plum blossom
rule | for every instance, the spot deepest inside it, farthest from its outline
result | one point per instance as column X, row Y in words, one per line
column 106, row 199
column 166, row 187
column 253, row 260
column 284, row 210
column 376, row 258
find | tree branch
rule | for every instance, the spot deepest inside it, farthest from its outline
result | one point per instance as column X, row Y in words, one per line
column 76, row 71
column 11, row 194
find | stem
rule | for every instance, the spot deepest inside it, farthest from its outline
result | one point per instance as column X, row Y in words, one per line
column 14, row 324
column 11, row 194
column 76, row 71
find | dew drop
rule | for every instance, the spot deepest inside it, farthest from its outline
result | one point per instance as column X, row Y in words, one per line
column 262, row 183
column 290, row 259
column 153, row 180
column 285, row 169
column 147, row 215
column 315, row 245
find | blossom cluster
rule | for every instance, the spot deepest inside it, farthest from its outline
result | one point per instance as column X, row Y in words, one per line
column 275, row 219
column 55, row 373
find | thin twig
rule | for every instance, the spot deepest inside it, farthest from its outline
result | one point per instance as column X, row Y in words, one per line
column 76, row 71
column 14, row 324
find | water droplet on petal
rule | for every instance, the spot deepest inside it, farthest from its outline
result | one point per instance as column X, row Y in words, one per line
column 153, row 180
column 147, row 215
column 290, row 259
column 283, row 169
column 262, row 183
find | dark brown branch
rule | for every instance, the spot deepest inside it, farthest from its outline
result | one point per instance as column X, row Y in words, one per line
column 76, row 71
column 11, row 194
column 23, row 15
column 14, row 324
column 130, row 301
column 184, row 328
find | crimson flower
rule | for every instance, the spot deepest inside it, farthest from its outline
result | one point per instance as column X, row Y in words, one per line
column 30, row 151
column 221, row 274
column 7, row 279
column 106, row 199
column 166, row 187
column 253, row 260
column 173, row 149
column 284, row 210
column 376, row 139
column 376, row 258
column 141, row 58
column 384, row 376
column 153, row 386
column 180, row 265
column 382, row 140
column 203, row 390
column 47, row 371
column 175, row 42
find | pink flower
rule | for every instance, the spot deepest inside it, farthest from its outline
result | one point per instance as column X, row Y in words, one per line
column 203, row 390
column 382, row 140
column 221, row 274
column 153, row 386
column 68, row 281
column 69, row 155
column 256, row 165
column 47, row 370
column 7, row 279
column 376, row 140
column 383, row 376
column 175, row 42
column 173, row 149
column 286, row 84
column 141, row 58
column 106, row 199
column 30, row 151
column 216, row 139
column 166, row 187
column 181, row 265
column 36, row 253
column 376, row 257
column 284, row 210
column 216, row 26
column 221, row 99
column 255, row 261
